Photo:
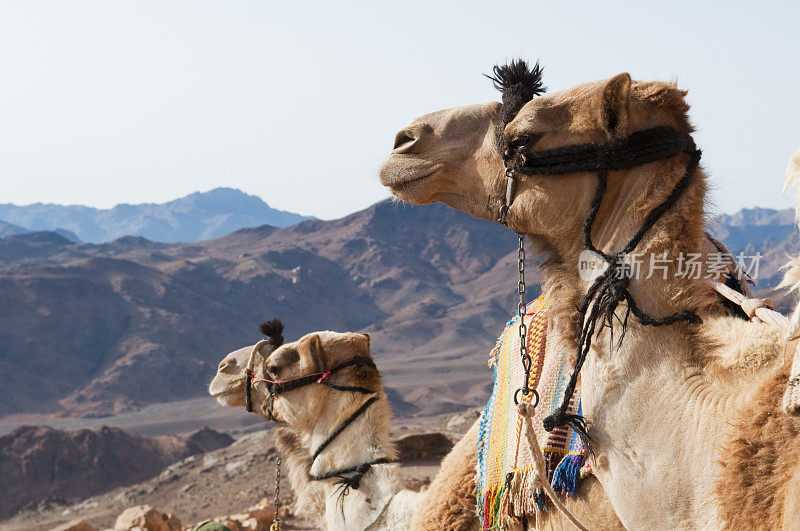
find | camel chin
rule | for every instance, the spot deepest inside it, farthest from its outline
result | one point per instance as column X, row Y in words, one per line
column 226, row 397
column 409, row 179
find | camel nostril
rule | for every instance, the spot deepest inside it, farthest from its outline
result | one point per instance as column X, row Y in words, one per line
column 404, row 139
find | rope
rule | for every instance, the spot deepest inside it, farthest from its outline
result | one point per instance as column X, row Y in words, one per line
column 281, row 386
column 339, row 429
column 639, row 148
column 759, row 308
column 612, row 287
column 381, row 513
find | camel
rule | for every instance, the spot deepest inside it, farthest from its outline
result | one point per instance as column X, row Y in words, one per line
column 328, row 484
column 314, row 411
column 685, row 419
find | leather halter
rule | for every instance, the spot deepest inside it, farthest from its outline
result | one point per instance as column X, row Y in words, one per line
column 639, row 148
column 276, row 387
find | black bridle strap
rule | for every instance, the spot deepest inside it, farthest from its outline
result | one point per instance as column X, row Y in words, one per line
column 282, row 386
column 639, row 148
column 341, row 427
column 348, row 388
column 346, row 481
column 248, row 390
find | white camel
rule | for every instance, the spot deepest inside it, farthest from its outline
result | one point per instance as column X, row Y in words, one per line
column 336, row 440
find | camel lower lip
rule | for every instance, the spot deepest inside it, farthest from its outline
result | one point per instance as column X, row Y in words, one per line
column 407, row 182
column 222, row 394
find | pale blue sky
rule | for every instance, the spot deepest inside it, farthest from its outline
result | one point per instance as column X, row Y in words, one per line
column 110, row 101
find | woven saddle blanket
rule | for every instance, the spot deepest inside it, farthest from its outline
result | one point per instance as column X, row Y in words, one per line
column 505, row 466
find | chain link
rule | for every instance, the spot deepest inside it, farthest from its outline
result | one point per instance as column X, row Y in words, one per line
column 276, row 523
column 523, row 328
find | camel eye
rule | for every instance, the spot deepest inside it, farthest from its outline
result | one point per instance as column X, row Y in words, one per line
column 273, row 370
column 524, row 140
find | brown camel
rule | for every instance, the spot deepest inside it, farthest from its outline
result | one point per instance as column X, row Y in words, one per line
column 685, row 419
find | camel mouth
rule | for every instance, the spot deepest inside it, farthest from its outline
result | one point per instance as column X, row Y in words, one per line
column 224, row 394
column 405, row 184
column 226, row 397
column 400, row 175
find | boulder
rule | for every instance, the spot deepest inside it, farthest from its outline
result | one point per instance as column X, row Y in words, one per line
column 423, row 446
column 146, row 518
column 257, row 518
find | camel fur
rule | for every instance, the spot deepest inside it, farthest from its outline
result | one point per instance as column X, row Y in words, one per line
column 685, row 420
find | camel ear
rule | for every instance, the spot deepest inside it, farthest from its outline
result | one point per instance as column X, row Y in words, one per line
column 366, row 344
column 359, row 343
column 311, row 346
column 614, row 105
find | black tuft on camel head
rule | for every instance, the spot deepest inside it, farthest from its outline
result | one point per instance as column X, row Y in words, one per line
column 273, row 329
column 518, row 84
column 515, row 80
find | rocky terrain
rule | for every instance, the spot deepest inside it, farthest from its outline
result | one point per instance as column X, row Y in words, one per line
column 40, row 464
column 236, row 477
column 116, row 326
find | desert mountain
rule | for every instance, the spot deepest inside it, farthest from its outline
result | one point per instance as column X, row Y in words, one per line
column 197, row 216
column 93, row 329
column 754, row 227
column 42, row 464
column 9, row 229
column 109, row 327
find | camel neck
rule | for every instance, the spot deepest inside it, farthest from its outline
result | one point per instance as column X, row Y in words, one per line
column 654, row 378
column 364, row 441
column 361, row 438
column 666, row 268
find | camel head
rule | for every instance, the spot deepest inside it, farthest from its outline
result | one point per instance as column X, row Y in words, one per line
column 449, row 156
column 313, row 353
column 454, row 156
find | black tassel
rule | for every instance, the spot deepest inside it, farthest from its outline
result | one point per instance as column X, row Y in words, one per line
column 273, row 329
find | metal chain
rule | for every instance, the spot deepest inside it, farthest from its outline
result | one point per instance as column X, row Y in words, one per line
column 276, row 523
column 523, row 328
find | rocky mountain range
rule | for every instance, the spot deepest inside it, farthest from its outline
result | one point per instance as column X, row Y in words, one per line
column 94, row 329
column 197, row 216
column 754, row 227
column 40, row 464
column 109, row 327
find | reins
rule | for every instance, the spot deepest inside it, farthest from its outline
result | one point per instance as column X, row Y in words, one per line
column 612, row 287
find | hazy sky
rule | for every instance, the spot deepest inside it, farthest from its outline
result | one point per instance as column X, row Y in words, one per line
column 107, row 101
